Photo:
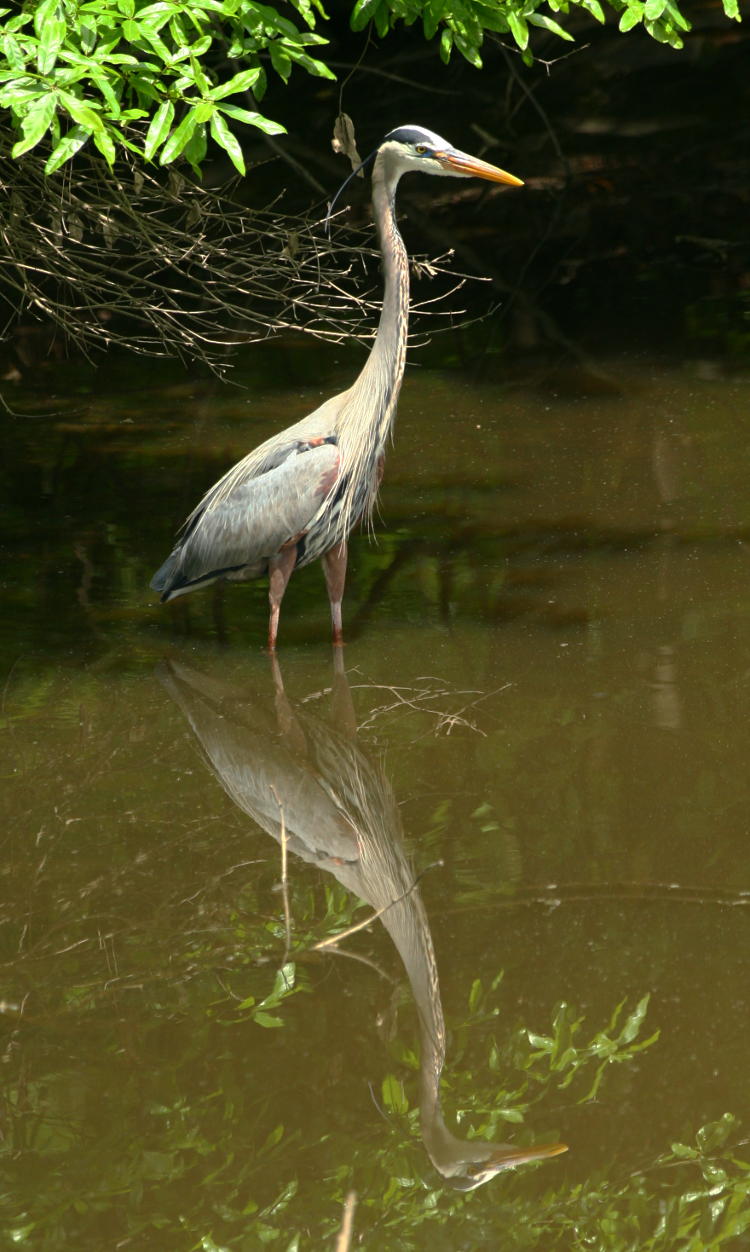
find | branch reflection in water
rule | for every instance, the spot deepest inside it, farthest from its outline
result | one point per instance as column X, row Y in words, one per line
column 290, row 771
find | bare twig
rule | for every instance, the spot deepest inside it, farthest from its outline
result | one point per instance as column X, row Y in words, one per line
column 163, row 266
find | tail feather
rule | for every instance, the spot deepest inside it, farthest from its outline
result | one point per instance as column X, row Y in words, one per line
column 171, row 580
column 166, row 577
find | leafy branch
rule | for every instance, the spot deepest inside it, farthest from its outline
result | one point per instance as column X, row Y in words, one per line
column 161, row 79
column 153, row 79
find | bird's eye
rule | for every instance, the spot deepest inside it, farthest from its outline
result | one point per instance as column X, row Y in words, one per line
column 421, row 148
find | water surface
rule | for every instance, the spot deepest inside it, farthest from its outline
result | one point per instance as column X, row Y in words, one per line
column 535, row 745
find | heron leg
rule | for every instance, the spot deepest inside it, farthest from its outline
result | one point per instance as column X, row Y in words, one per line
column 334, row 568
column 279, row 572
column 342, row 705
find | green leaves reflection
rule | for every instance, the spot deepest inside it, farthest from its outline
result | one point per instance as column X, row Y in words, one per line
column 563, row 1057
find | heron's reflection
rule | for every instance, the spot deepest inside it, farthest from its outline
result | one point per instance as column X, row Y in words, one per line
column 340, row 814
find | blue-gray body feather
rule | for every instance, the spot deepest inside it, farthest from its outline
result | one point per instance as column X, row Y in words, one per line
column 236, row 536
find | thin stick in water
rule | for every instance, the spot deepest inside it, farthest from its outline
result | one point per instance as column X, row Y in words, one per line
column 284, row 875
column 352, row 930
column 343, row 1243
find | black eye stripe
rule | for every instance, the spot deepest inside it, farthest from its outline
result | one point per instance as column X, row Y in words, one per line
column 412, row 134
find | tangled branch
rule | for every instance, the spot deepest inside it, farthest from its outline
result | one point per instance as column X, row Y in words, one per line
column 164, row 267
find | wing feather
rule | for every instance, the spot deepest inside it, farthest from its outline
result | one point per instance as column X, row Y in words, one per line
column 253, row 520
column 320, row 424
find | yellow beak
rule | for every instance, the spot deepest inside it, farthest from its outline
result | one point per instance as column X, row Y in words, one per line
column 472, row 167
column 507, row 1156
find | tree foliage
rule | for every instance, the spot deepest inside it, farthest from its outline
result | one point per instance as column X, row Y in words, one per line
column 160, row 79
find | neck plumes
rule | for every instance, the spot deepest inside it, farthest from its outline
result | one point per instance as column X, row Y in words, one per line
column 384, row 371
column 370, row 407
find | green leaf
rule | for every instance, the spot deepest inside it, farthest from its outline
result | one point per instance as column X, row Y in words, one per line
column 267, row 1019
column 243, row 81
column 195, row 148
column 67, row 148
column 539, row 19
column 88, row 37
column 17, row 23
column 177, row 140
column 204, row 110
column 714, row 1135
column 393, row 1095
column 226, row 140
column 510, row 1115
column 201, row 46
column 12, row 50
column 631, row 17
column 36, row 123
column 267, row 126
column 540, row 1041
column 518, row 28
column 241, row 115
column 595, row 9
column 382, row 19
column 676, row 16
column 280, row 60
column 105, row 144
column 634, row 1021
column 732, row 9
column 43, row 12
column 81, row 112
column 363, row 12
column 153, row 38
column 51, row 29
column 317, row 68
column 17, row 93
column 157, row 15
column 105, row 87
column 159, row 129
column 199, row 75
column 469, row 51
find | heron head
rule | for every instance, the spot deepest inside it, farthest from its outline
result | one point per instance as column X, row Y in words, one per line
column 416, row 148
column 470, row 1164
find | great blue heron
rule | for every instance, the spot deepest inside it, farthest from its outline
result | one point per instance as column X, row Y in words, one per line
column 340, row 814
column 298, row 495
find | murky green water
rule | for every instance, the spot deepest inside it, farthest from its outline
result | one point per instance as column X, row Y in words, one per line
column 536, row 753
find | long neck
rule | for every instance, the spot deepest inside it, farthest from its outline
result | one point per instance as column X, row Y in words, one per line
column 369, row 408
column 384, row 370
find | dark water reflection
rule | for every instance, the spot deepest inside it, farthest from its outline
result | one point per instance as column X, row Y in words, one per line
column 571, row 575
column 310, row 787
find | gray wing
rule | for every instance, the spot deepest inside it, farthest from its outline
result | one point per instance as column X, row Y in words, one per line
column 252, row 523
column 256, row 767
